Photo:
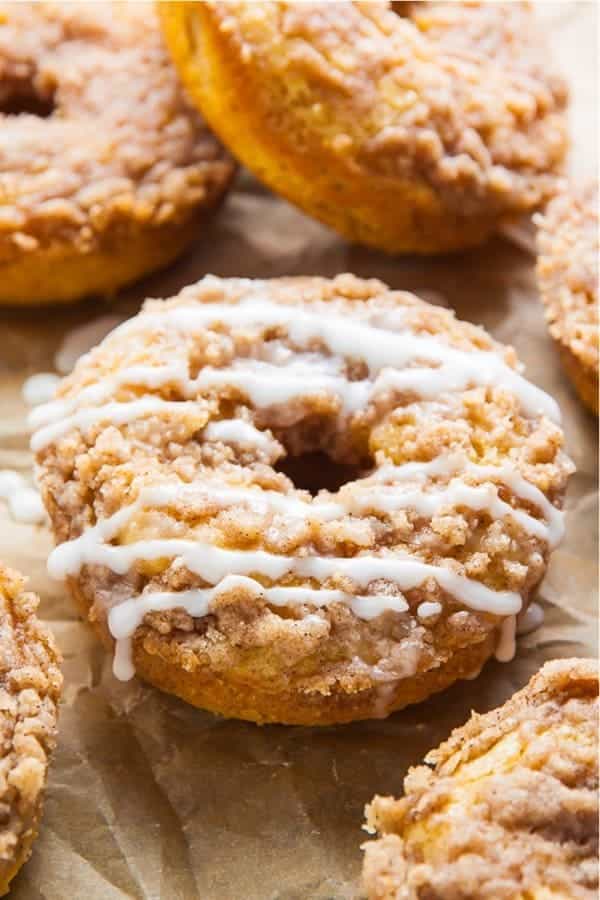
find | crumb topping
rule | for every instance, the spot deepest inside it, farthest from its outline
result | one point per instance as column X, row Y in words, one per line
column 459, row 96
column 175, row 457
column 30, row 686
column 508, row 806
column 568, row 271
column 114, row 144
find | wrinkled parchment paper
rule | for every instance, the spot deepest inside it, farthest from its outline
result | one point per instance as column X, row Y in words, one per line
column 149, row 798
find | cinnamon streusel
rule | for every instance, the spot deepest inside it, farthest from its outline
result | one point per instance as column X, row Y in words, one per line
column 410, row 127
column 170, row 469
column 106, row 171
column 508, row 807
column 568, row 278
column 30, row 686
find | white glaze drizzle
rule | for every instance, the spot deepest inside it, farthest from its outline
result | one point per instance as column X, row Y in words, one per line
column 115, row 413
column 506, row 474
column 204, row 494
column 365, row 495
column 150, row 377
column 219, row 566
column 385, row 353
column 263, row 383
column 126, row 617
column 428, row 609
column 24, row 502
column 506, row 646
column 212, row 563
column 379, row 348
column 39, row 388
column 238, row 431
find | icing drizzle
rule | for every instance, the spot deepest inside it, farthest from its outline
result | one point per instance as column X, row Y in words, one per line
column 393, row 357
column 396, row 361
column 24, row 502
column 218, row 565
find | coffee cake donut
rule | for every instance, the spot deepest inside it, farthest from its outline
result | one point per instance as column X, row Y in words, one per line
column 567, row 272
column 508, row 809
column 162, row 466
column 409, row 127
column 30, row 687
column 106, row 171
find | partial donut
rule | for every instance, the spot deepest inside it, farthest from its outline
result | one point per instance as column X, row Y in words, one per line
column 506, row 808
column 414, row 129
column 106, row 171
column 168, row 461
column 567, row 272
column 30, row 688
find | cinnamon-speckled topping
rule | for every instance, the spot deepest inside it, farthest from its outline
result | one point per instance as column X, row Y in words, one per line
column 460, row 95
column 508, row 809
column 30, row 686
column 105, row 139
column 162, row 467
column 568, row 271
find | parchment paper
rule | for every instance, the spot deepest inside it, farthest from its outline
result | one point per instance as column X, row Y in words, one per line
column 149, row 798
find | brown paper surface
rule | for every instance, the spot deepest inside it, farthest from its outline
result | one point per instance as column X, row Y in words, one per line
column 149, row 798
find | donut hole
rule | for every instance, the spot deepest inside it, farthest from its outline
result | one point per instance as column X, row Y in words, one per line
column 316, row 471
column 319, row 454
column 24, row 102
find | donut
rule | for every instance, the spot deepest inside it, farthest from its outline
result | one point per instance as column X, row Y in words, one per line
column 409, row 127
column 30, row 688
column 567, row 271
column 506, row 808
column 106, row 171
column 171, row 468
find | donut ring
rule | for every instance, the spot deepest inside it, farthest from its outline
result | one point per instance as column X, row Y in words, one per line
column 118, row 178
column 181, row 535
column 507, row 807
column 418, row 132
column 30, row 686
column 567, row 272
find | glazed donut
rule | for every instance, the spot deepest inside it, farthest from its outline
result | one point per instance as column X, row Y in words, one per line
column 506, row 809
column 567, row 272
column 163, row 468
column 106, row 172
column 30, row 686
column 413, row 129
